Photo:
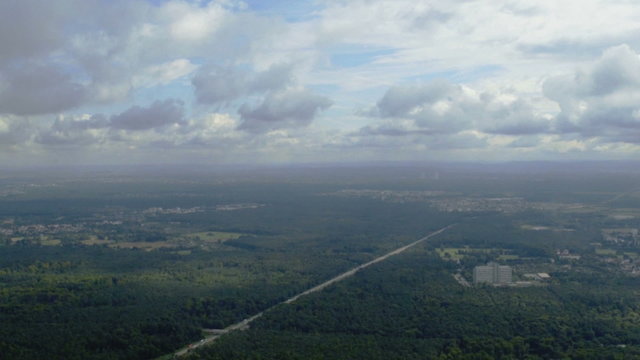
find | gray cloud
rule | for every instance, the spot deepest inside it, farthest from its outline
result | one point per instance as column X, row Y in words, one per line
column 158, row 114
column 429, row 18
column 617, row 69
column 580, row 46
column 391, row 130
column 55, row 55
column 25, row 33
column 14, row 131
column 440, row 107
column 216, row 85
column 276, row 77
column 512, row 118
column 525, row 142
column 32, row 89
column 456, row 141
column 97, row 121
column 70, row 131
column 601, row 101
column 399, row 101
column 292, row 108
column 87, row 51
column 405, row 139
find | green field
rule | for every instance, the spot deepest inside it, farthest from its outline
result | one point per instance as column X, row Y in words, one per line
column 456, row 254
column 213, row 236
column 508, row 257
column 607, row 252
column 451, row 253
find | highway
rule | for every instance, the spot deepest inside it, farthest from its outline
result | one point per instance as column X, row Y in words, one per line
column 244, row 324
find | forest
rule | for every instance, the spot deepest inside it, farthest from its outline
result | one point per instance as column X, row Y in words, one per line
column 136, row 265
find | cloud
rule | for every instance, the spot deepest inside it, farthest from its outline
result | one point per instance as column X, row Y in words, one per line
column 14, row 131
column 381, row 22
column 276, row 77
column 602, row 100
column 93, row 56
column 438, row 107
column 189, row 22
column 86, row 52
column 165, row 73
column 31, row 89
column 291, row 108
column 215, row 85
column 158, row 114
column 441, row 107
column 211, row 130
column 26, row 32
column 525, row 142
column 82, row 130
column 508, row 114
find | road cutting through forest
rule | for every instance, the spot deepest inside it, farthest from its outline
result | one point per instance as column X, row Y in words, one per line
column 244, row 324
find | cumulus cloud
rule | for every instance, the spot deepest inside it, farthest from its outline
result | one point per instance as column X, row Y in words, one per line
column 441, row 107
column 14, row 131
column 288, row 109
column 30, row 89
column 508, row 114
column 83, row 52
column 158, row 114
column 211, row 130
column 84, row 130
column 602, row 100
column 438, row 107
column 90, row 56
column 216, row 85
column 87, row 130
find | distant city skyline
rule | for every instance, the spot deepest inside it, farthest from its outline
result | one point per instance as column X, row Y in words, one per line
column 317, row 81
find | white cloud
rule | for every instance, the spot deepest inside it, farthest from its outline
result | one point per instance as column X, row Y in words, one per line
column 165, row 73
column 477, row 76
column 191, row 22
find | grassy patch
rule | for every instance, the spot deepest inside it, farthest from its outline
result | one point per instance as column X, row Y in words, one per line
column 213, row 236
column 50, row 242
column 459, row 253
column 143, row 245
column 450, row 253
column 93, row 240
column 534, row 227
column 16, row 239
column 605, row 252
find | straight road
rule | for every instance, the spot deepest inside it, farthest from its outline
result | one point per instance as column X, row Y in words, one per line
column 244, row 324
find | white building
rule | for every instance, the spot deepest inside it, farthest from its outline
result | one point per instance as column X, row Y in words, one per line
column 492, row 273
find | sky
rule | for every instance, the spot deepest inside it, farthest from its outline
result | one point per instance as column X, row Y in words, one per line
column 317, row 81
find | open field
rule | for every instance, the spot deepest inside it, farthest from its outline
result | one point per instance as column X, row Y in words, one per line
column 148, row 246
column 606, row 252
column 94, row 240
column 543, row 228
column 212, row 236
column 456, row 254
column 50, row 242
